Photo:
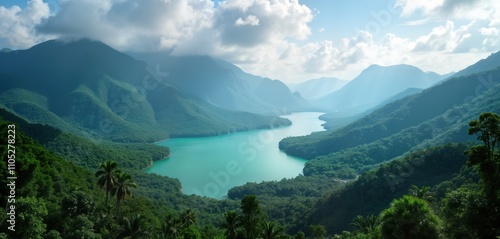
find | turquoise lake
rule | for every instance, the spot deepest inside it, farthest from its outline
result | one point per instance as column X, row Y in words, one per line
column 210, row 166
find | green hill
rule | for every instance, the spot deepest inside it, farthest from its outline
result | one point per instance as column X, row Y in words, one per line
column 87, row 88
column 436, row 115
column 373, row 191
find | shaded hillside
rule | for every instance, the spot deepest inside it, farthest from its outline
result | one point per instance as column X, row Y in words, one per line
column 374, row 85
column 373, row 191
column 87, row 88
column 440, row 101
column 225, row 85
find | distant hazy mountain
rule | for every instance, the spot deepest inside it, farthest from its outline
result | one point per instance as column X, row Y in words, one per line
column 374, row 85
column 317, row 88
column 225, row 85
column 88, row 88
column 436, row 115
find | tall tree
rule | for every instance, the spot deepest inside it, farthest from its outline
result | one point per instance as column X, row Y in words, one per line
column 409, row 218
column 365, row 224
column 271, row 230
column 172, row 227
column 253, row 217
column 133, row 228
column 188, row 217
column 231, row 224
column 122, row 188
column 486, row 157
column 422, row 193
column 107, row 176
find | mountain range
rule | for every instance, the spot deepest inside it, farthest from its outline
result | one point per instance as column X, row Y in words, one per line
column 224, row 85
column 375, row 85
column 88, row 88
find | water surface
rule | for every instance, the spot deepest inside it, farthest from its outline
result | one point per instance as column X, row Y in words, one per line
column 210, row 166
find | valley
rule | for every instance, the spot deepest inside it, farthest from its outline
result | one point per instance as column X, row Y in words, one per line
column 223, row 162
column 197, row 143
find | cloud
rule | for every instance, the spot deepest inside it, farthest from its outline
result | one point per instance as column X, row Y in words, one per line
column 251, row 20
column 18, row 26
column 249, row 23
column 445, row 9
column 131, row 24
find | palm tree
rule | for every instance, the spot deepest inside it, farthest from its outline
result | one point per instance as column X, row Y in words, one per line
column 133, row 228
column 122, row 188
column 409, row 218
column 106, row 176
column 231, row 224
column 365, row 224
column 271, row 231
column 172, row 227
column 188, row 217
column 422, row 193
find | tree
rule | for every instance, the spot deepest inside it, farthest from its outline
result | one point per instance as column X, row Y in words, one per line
column 365, row 224
column 122, row 188
column 318, row 231
column 29, row 220
column 107, row 176
column 188, row 217
column 486, row 156
column 271, row 230
column 231, row 224
column 133, row 228
column 172, row 227
column 467, row 214
column 422, row 193
column 409, row 218
column 252, row 218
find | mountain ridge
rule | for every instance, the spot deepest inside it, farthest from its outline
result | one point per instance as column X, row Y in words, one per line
column 94, row 90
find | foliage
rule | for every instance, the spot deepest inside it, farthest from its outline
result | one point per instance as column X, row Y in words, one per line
column 409, row 218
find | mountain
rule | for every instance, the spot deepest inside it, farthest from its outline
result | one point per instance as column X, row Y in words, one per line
column 374, row 85
column 317, row 88
column 437, row 115
column 335, row 120
column 88, row 88
column 225, row 85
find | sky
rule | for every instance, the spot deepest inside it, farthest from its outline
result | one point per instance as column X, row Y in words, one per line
column 289, row 40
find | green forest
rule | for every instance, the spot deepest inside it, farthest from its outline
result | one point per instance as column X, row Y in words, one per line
column 69, row 187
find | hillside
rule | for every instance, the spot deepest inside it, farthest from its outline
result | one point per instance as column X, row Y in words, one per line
column 374, row 190
column 439, row 109
column 87, row 88
column 224, row 84
column 374, row 85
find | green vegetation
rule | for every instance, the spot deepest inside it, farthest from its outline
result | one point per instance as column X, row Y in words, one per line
column 105, row 94
column 408, row 176
column 399, row 127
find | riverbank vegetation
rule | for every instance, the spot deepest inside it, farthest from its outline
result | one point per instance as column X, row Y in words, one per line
column 441, row 186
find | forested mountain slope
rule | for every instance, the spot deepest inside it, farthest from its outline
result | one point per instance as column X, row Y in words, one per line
column 442, row 107
column 88, row 88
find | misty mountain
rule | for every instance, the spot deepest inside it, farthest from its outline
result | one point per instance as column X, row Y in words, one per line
column 374, row 85
column 317, row 88
column 88, row 88
column 437, row 115
column 224, row 84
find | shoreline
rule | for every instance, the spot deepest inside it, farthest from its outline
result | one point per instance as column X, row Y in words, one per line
column 152, row 162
